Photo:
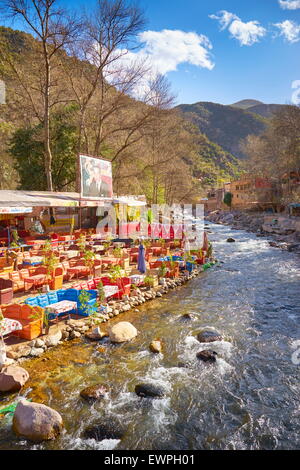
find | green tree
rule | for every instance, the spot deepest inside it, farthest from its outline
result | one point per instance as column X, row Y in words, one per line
column 27, row 149
column 228, row 199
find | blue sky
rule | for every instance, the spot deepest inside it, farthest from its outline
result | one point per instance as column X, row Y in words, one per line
column 235, row 49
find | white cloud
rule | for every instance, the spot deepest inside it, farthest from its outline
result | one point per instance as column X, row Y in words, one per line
column 289, row 30
column 246, row 33
column 161, row 52
column 289, row 4
column 168, row 48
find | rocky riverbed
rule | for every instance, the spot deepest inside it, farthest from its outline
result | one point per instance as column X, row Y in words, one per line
column 284, row 231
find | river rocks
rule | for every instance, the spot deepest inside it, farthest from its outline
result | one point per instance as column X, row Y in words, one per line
column 96, row 334
column 36, row 422
column 230, row 240
column 12, row 378
column 208, row 336
column 39, row 343
column 187, row 317
column 207, row 356
column 20, row 351
column 95, row 392
column 53, row 340
column 155, row 347
column 149, row 390
column 122, row 332
column 75, row 334
column 36, row 352
column 104, row 431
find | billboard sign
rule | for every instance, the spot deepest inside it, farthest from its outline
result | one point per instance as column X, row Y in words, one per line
column 96, row 178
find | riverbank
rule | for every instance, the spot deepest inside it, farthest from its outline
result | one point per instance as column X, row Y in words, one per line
column 247, row 399
column 75, row 328
column 283, row 230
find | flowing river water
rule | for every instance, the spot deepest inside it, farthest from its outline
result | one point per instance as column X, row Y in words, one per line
column 249, row 399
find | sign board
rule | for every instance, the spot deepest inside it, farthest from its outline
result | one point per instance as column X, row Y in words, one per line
column 16, row 210
column 95, row 178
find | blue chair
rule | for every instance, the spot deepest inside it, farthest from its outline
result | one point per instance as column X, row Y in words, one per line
column 43, row 301
column 52, row 297
column 32, row 301
column 72, row 295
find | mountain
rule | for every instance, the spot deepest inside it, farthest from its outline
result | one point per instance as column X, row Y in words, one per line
column 224, row 125
column 246, row 104
column 257, row 107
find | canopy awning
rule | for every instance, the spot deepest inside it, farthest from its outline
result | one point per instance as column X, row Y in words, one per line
column 129, row 201
column 26, row 199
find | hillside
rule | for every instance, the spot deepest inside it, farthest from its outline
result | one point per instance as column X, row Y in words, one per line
column 246, row 104
column 257, row 107
column 209, row 162
column 224, row 125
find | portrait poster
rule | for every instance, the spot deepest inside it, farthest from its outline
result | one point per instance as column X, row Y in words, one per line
column 96, row 177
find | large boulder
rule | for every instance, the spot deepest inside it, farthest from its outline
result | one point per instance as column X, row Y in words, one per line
column 12, row 378
column 36, row 422
column 207, row 356
column 95, row 392
column 209, row 336
column 149, row 390
column 122, row 332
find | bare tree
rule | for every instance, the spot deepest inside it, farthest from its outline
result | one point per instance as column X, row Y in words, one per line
column 102, row 78
column 54, row 30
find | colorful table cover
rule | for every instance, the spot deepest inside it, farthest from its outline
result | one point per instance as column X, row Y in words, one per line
column 69, row 253
column 33, row 261
column 61, row 307
column 7, row 326
column 110, row 291
column 137, row 279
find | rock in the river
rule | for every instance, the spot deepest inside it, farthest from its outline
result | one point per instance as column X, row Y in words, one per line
column 95, row 392
column 155, row 346
column 207, row 355
column 12, row 378
column 96, row 334
column 103, row 431
column 149, row 390
column 36, row 422
column 209, row 336
column 187, row 317
column 122, row 332
column 230, row 240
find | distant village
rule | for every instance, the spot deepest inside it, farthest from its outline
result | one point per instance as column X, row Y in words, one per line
column 258, row 194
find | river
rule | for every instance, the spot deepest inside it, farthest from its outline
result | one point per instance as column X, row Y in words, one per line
column 249, row 399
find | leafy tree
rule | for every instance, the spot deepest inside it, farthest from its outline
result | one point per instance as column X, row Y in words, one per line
column 27, row 149
column 228, row 199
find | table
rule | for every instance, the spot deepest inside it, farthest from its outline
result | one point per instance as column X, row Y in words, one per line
column 69, row 253
column 8, row 326
column 34, row 261
column 35, row 281
column 110, row 291
column 63, row 306
column 137, row 279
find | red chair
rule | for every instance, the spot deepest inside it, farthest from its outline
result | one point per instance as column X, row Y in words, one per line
column 6, row 291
